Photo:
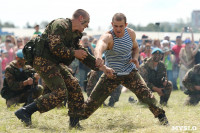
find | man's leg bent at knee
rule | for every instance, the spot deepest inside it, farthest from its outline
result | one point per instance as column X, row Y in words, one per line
column 102, row 90
column 137, row 85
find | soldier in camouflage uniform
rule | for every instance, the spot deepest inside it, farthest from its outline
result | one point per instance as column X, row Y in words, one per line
column 121, row 54
column 154, row 73
column 60, row 44
column 191, row 81
column 18, row 82
column 93, row 77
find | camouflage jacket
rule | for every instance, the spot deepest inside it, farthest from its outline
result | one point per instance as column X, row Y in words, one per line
column 153, row 78
column 192, row 77
column 14, row 77
column 60, row 43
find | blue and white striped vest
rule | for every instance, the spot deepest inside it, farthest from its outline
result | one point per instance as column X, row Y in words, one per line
column 119, row 56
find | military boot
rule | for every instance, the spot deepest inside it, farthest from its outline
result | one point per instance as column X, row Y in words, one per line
column 74, row 123
column 163, row 120
column 164, row 100
column 111, row 104
column 24, row 113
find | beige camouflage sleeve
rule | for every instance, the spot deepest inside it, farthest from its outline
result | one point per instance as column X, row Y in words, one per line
column 90, row 61
column 56, row 43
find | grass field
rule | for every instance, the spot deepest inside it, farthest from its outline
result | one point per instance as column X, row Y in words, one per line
column 123, row 118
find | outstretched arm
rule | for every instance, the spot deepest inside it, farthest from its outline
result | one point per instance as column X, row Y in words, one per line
column 135, row 49
column 102, row 45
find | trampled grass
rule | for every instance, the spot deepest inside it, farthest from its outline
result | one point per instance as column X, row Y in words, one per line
column 123, row 118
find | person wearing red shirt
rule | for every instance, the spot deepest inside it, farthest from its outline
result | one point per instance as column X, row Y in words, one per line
column 176, row 49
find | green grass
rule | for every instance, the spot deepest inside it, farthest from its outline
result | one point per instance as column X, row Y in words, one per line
column 123, row 118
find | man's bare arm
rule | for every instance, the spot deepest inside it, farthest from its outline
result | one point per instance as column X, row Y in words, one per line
column 102, row 45
column 135, row 49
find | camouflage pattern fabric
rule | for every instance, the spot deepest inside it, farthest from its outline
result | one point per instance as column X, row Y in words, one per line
column 15, row 78
column 106, row 86
column 22, row 98
column 13, row 84
column 191, row 79
column 61, row 83
column 92, row 78
column 155, row 78
column 59, row 46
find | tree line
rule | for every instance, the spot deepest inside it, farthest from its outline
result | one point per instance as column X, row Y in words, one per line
column 157, row 27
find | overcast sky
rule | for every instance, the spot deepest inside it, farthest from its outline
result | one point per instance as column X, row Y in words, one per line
column 137, row 12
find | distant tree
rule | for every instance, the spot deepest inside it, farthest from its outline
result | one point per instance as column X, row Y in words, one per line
column 139, row 28
column 43, row 24
column 8, row 25
column 130, row 25
column 151, row 27
column 1, row 24
column 28, row 25
column 165, row 27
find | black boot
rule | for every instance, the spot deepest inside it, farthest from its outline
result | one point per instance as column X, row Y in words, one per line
column 74, row 123
column 111, row 104
column 164, row 100
column 24, row 113
column 163, row 119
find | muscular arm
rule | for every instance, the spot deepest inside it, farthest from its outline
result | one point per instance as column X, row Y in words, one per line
column 135, row 48
column 102, row 45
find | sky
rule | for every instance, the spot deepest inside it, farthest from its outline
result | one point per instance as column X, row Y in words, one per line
column 138, row 12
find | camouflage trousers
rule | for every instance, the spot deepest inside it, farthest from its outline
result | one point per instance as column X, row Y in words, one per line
column 167, row 92
column 62, row 84
column 192, row 99
column 93, row 77
column 105, row 86
column 22, row 98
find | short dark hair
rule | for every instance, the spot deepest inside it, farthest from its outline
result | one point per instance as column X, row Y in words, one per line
column 81, row 12
column 119, row 17
column 178, row 37
column 36, row 26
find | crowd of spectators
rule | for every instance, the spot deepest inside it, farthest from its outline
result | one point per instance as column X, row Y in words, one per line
column 178, row 57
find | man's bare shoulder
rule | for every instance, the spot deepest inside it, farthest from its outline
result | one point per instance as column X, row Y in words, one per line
column 106, row 40
column 106, row 36
column 131, row 32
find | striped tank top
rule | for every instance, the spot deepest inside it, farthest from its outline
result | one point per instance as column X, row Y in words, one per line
column 119, row 56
